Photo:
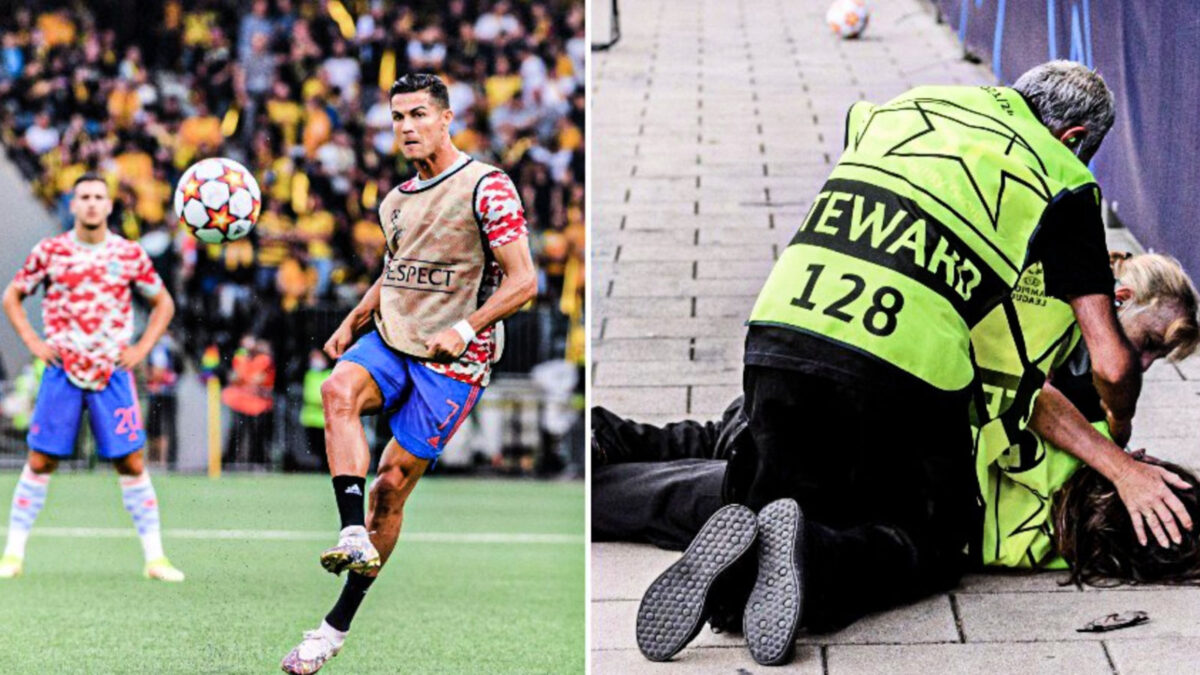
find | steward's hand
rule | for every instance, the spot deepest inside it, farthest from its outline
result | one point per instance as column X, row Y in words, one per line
column 1145, row 489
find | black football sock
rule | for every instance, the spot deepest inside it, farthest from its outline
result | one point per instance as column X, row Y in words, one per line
column 350, row 491
column 352, row 596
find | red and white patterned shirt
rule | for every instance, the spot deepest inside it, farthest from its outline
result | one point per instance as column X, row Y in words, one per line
column 499, row 212
column 88, row 309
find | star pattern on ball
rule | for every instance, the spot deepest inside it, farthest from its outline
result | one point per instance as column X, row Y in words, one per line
column 987, row 180
column 220, row 219
column 191, row 190
column 233, row 178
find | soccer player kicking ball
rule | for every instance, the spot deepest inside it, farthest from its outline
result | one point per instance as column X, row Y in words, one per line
column 87, row 274
column 458, row 262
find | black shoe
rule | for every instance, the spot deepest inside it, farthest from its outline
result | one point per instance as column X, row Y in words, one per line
column 677, row 604
column 773, row 611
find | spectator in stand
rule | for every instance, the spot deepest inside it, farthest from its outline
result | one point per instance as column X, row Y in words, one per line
column 255, row 74
column 379, row 125
column 498, row 25
column 249, row 396
column 502, row 85
column 318, row 126
column 343, row 71
column 426, row 50
column 297, row 280
column 41, row 137
column 274, row 231
column 254, row 25
column 316, row 227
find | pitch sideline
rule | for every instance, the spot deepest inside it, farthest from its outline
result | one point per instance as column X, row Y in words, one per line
column 303, row 535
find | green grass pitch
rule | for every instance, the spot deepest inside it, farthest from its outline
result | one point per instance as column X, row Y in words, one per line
column 442, row 605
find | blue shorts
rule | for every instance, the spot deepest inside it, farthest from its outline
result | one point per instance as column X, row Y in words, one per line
column 113, row 412
column 424, row 408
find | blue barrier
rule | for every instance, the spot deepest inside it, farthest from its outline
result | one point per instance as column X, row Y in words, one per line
column 1146, row 52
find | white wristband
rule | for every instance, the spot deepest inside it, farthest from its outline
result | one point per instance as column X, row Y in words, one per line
column 463, row 328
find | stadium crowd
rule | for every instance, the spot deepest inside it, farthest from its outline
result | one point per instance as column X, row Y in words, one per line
column 295, row 90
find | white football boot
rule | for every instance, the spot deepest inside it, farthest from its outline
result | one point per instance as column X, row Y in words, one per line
column 11, row 567
column 354, row 552
column 317, row 647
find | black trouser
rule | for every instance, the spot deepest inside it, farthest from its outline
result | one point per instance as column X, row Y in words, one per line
column 659, row 485
column 883, row 493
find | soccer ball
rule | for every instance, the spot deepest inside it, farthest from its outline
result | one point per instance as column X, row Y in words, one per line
column 218, row 199
column 848, row 18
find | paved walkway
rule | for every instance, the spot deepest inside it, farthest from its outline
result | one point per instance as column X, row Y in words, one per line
column 714, row 123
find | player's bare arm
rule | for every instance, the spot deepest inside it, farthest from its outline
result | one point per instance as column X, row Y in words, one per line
column 15, row 311
column 358, row 320
column 1145, row 489
column 162, row 309
column 518, row 287
column 1115, row 369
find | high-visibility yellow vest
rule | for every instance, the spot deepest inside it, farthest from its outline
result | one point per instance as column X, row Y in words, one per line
column 1015, row 346
column 922, row 227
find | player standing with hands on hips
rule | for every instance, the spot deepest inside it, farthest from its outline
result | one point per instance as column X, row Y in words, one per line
column 87, row 274
column 458, row 262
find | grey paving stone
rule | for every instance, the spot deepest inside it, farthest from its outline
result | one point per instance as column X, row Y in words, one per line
column 753, row 271
column 1013, row 582
column 1170, row 421
column 720, row 349
column 650, row 270
column 744, row 235
column 653, row 374
column 702, row 288
column 1163, row 371
column 662, row 419
column 637, row 402
column 639, row 327
column 928, row 620
column 658, row 219
column 1048, row 658
column 1182, row 392
column 638, row 238
column 624, row 571
column 1009, row 617
column 725, row 306
column 680, row 307
column 709, row 401
column 1190, row 368
column 1168, row 656
column 644, row 349
column 720, row 661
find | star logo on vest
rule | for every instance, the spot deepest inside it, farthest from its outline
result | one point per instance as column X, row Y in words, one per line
column 988, row 181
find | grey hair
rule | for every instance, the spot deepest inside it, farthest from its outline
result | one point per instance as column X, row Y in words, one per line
column 1066, row 94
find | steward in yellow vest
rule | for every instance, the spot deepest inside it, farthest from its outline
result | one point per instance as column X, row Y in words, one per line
column 858, row 360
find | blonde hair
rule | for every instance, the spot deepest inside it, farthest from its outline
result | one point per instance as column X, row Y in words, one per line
column 1158, row 281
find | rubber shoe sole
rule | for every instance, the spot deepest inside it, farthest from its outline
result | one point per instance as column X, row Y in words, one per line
column 675, row 607
column 773, row 610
